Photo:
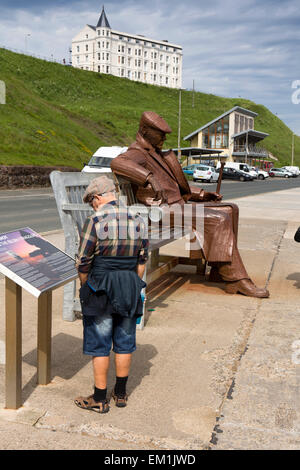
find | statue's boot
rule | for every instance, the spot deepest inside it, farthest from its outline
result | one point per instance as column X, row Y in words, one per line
column 243, row 286
column 246, row 287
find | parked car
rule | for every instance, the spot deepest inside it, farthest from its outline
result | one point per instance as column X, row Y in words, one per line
column 261, row 174
column 233, row 174
column 293, row 169
column 205, row 173
column 189, row 170
column 280, row 172
column 100, row 161
column 257, row 174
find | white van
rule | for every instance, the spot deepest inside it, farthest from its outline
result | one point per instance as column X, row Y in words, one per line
column 100, row 161
column 293, row 169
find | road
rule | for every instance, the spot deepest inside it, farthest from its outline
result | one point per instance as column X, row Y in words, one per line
column 36, row 208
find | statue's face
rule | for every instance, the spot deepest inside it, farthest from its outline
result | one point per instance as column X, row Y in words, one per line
column 155, row 137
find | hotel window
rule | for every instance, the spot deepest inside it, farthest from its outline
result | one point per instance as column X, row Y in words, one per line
column 86, row 36
column 129, row 61
column 103, row 56
column 99, row 45
column 137, row 41
column 145, row 76
column 121, row 37
column 145, row 54
column 103, row 32
column 155, row 55
column 123, row 49
column 139, row 75
column 129, row 74
column 86, row 57
column 99, row 58
column 154, row 78
column 107, row 69
column 145, row 64
column 87, row 47
column 251, row 123
column 77, row 59
column 107, row 33
column 122, row 72
column 77, row 48
column 167, row 81
column 129, row 50
column 99, row 68
column 98, row 32
column 107, row 56
column 123, row 60
column 140, row 51
column 119, row 48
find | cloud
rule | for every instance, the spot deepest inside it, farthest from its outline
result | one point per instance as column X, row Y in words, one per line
column 249, row 48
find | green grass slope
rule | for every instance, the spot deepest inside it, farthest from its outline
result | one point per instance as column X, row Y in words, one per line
column 59, row 115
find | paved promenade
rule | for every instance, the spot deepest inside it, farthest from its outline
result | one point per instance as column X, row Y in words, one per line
column 211, row 371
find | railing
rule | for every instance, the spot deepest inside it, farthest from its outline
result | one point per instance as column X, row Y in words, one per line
column 252, row 149
column 48, row 59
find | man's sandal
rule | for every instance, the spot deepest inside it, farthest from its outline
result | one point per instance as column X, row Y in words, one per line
column 120, row 402
column 88, row 403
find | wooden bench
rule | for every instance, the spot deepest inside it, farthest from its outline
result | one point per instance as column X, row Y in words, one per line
column 68, row 190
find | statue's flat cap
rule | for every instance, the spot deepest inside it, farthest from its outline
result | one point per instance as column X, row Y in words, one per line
column 151, row 119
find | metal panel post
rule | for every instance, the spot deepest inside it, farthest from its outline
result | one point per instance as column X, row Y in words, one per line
column 13, row 306
column 44, row 338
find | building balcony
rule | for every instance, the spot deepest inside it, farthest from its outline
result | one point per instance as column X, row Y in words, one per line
column 251, row 150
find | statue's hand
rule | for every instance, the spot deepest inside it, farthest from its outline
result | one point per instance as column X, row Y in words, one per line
column 157, row 189
column 208, row 196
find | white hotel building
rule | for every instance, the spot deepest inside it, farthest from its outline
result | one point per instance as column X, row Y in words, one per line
column 103, row 50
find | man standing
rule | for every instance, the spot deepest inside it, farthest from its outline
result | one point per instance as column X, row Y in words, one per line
column 157, row 178
column 111, row 263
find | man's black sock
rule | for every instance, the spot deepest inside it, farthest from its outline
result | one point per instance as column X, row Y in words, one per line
column 120, row 387
column 99, row 394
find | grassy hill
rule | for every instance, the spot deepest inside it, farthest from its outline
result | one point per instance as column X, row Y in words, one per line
column 59, row 115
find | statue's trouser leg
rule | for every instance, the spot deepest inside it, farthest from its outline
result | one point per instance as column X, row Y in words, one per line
column 220, row 246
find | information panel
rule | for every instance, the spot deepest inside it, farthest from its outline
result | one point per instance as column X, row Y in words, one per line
column 33, row 262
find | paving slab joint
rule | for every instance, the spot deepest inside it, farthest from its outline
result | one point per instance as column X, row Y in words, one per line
column 244, row 348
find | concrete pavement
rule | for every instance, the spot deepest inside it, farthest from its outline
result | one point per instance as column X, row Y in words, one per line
column 211, row 370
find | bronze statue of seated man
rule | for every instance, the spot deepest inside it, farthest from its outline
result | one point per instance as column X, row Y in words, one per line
column 157, row 178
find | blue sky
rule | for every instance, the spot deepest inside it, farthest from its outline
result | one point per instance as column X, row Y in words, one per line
column 249, row 48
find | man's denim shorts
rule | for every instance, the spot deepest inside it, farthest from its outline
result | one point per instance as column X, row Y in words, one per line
column 104, row 330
